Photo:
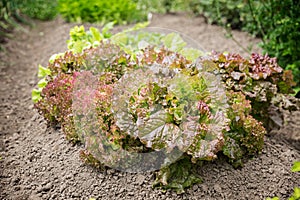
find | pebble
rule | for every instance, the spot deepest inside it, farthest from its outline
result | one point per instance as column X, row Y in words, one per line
column 195, row 187
column 140, row 179
column 218, row 188
column 122, row 190
column 45, row 188
column 204, row 188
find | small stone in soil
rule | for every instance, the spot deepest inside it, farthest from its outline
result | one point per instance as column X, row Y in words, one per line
column 140, row 179
column 44, row 188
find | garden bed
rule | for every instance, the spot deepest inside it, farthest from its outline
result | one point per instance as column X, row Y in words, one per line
column 38, row 163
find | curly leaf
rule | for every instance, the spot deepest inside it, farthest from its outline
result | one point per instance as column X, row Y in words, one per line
column 42, row 83
column 36, row 95
column 43, row 71
column 191, row 54
column 296, row 194
column 233, row 151
column 155, row 133
column 174, row 42
column 177, row 176
column 96, row 35
column 105, row 30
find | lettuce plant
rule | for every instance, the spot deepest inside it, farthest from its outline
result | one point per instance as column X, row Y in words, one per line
column 259, row 78
column 145, row 104
column 56, row 104
column 246, row 134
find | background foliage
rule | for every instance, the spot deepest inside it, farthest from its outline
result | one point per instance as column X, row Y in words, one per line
column 276, row 22
column 38, row 9
column 8, row 13
column 14, row 13
column 163, row 6
column 121, row 11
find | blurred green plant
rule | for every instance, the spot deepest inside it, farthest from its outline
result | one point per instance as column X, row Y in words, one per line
column 296, row 194
column 296, row 167
column 273, row 198
column 38, row 9
column 14, row 13
column 163, row 6
column 220, row 11
column 278, row 23
column 102, row 11
column 8, row 13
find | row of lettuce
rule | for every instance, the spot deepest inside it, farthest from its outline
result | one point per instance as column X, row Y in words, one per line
column 141, row 92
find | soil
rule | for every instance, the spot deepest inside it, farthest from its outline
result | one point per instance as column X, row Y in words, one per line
column 37, row 162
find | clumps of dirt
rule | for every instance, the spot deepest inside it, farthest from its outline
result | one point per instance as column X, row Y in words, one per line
column 290, row 131
column 38, row 163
